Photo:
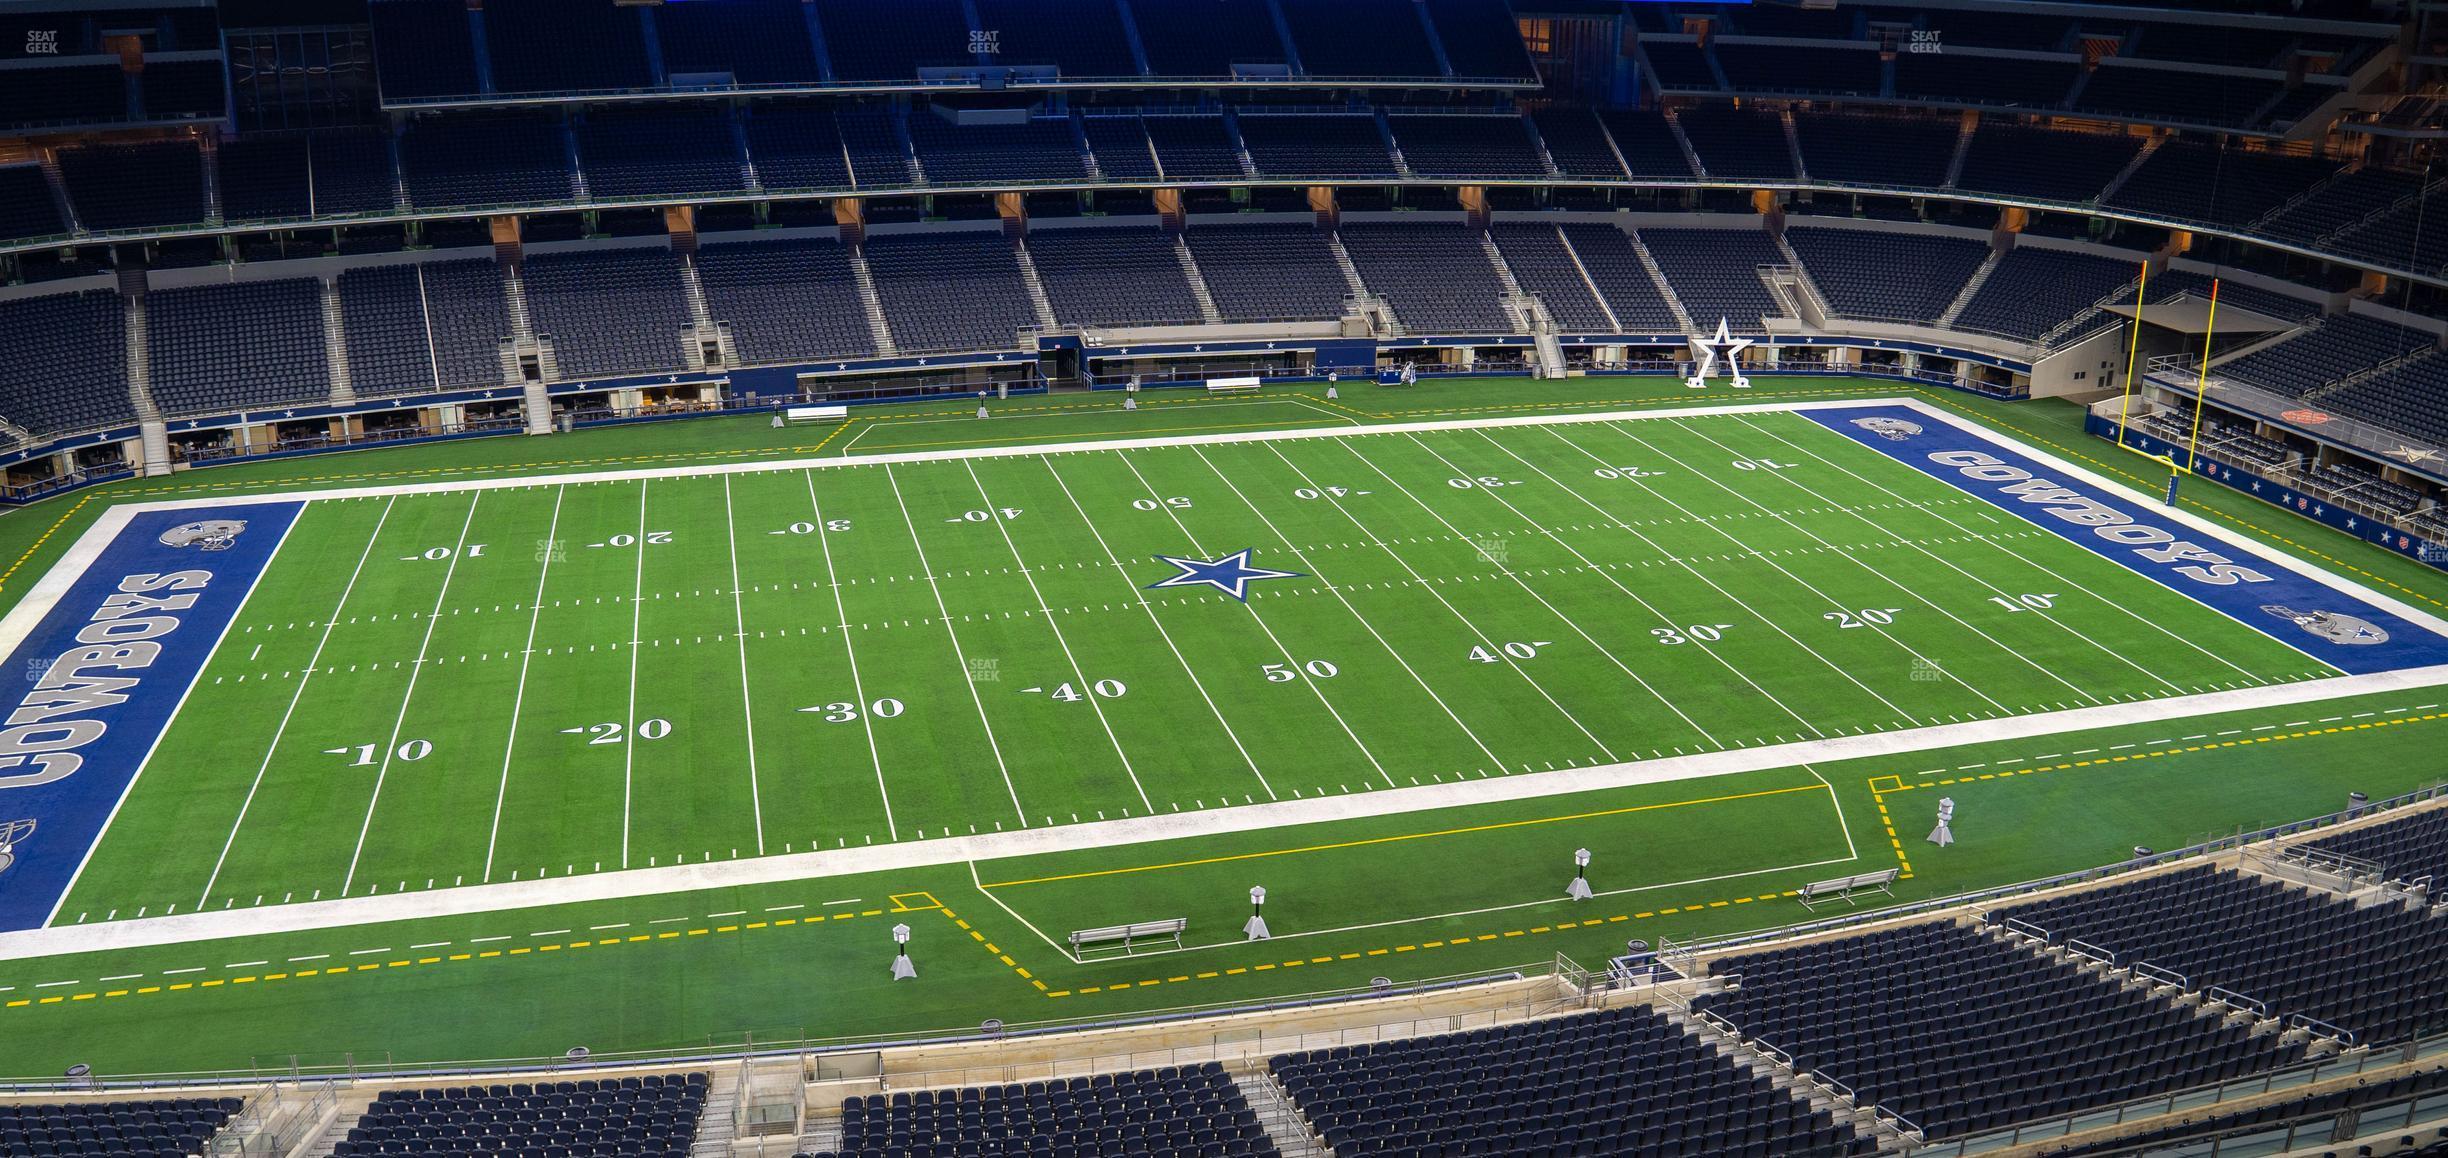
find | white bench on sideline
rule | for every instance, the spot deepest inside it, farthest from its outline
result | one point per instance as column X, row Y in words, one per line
column 1843, row 888
column 1230, row 385
column 1126, row 939
column 815, row 413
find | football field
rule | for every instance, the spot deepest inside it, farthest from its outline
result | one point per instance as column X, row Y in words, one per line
column 459, row 686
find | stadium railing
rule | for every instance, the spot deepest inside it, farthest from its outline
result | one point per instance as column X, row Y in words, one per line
column 2180, row 374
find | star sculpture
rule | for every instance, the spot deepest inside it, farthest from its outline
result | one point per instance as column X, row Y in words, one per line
column 1724, row 345
column 1232, row 574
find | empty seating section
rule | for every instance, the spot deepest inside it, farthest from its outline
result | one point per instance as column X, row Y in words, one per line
column 797, row 146
column 1803, row 69
column 26, row 208
column 2032, row 290
column 1121, row 147
column 609, row 312
column 75, row 377
column 1647, row 143
column 1326, row 145
column 265, row 178
column 382, row 326
column 1436, row 277
column 1865, row 150
column 1269, row 272
column 1739, row 143
column 2411, row 397
column 1886, row 276
column 1080, row 38
column 1681, row 64
column 2407, row 237
column 1038, row 149
column 1481, row 39
column 1210, row 39
column 469, row 318
column 1969, row 79
column 1716, row 273
column 2043, row 166
column 915, row 274
column 548, row 46
column 423, row 48
column 64, row 95
column 871, row 138
column 654, row 1116
column 1360, row 38
column 1194, row 148
column 2342, row 344
column 1577, row 143
column 2132, row 90
column 352, row 172
column 1188, row 1112
column 1608, row 255
column 2379, row 972
column 2193, row 181
column 2341, row 203
column 873, row 42
column 658, row 151
column 171, row 1128
column 752, row 42
column 2408, row 847
column 183, row 89
column 134, row 186
column 2345, row 480
column 1618, row 1082
column 1447, row 146
column 2167, row 284
column 1112, row 277
column 1543, row 265
column 223, row 348
column 474, row 159
column 786, row 300
column 1961, row 1033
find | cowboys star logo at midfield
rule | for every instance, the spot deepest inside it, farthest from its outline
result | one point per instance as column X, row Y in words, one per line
column 2331, row 625
column 1231, row 574
column 209, row 534
column 1891, row 429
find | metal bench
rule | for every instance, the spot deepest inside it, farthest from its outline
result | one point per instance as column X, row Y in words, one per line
column 815, row 413
column 1126, row 939
column 1231, row 385
column 1843, row 888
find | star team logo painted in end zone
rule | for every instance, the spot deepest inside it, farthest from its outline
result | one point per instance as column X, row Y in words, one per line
column 1231, row 574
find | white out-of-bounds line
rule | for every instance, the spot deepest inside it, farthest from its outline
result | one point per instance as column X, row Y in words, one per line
column 796, row 867
column 1014, row 914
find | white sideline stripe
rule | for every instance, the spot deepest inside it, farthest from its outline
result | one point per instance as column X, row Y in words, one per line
column 808, row 866
column 858, row 685
column 518, row 702
column 739, row 629
column 338, row 913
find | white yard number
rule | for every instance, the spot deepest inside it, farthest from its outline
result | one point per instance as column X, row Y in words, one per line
column 810, row 528
column 1284, row 673
column 2036, row 601
column 364, row 755
column 1176, row 501
column 844, row 711
column 1107, row 689
column 1485, row 480
column 437, row 554
column 986, row 516
column 1324, row 492
column 1863, row 617
column 1516, row 650
column 653, row 538
column 1761, row 464
column 1704, row 632
column 1622, row 472
column 609, row 732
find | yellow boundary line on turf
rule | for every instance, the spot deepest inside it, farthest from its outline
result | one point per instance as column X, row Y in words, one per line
column 1375, row 840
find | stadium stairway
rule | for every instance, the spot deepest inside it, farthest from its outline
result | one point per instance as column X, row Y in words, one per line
column 1198, row 281
column 1648, row 260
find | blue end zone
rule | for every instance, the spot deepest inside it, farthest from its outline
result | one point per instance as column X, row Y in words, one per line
column 102, row 674
column 2336, row 628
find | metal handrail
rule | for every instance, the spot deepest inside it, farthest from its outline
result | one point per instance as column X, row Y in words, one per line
column 2018, row 924
column 2314, row 1025
column 2103, row 955
column 2163, row 975
column 2226, row 996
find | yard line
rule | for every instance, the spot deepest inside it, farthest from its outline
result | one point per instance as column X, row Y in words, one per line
column 2162, row 628
column 433, row 619
column 313, row 662
column 1695, row 573
column 1059, row 641
column 739, row 619
column 1602, row 573
column 857, row 686
column 1337, row 592
column 1424, row 585
column 1924, row 600
column 1524, row 584
column 945, row 613
column 1140, row 597
column 535, row 612
column 1260, row 620
column 637, row 593
column 1763, row 557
